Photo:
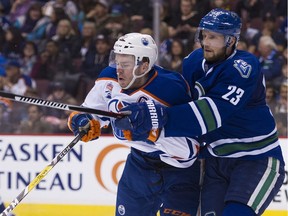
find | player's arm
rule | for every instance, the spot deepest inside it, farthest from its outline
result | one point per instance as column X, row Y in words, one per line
column 232, row 91
column 203, row 115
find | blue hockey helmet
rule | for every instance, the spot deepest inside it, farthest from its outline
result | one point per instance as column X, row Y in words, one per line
column 221, row 21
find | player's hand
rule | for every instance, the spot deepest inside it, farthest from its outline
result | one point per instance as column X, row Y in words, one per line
column 145, row 117
column 79, row 121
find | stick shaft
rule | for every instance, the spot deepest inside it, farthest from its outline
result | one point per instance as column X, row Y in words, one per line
column 41, row 175
column 62, row 106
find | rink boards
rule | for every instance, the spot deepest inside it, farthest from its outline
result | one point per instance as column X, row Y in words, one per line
column 83, row 183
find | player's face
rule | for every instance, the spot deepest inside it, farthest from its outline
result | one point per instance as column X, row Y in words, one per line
column 124, row 66
column 213, row 46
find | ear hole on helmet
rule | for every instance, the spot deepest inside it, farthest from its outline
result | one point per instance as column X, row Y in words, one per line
column 143, row 60
column 146, row 59
column 230, row 41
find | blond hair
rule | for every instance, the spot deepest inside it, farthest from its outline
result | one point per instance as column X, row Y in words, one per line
column 268, row 41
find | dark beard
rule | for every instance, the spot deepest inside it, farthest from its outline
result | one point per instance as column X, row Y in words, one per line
column 218, row 58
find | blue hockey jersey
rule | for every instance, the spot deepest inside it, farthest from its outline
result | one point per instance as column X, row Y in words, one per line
column 165, row 87
column 228, row 111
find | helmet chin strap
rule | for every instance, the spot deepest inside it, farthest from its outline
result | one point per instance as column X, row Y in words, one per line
column 135, row 77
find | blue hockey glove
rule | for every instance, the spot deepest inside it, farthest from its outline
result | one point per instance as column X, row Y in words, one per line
column 145, row 118
column 79, row 121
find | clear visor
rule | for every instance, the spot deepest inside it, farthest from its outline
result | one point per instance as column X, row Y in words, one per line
column 122, row 61
column 126, row 63
column 210, row 38
column 112, row 62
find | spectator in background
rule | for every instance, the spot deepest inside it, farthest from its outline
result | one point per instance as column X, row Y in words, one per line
column 58, row 118
column 96, row 59
column 283, row 77
column 117, row 24
column 4, row 11
column 276, row 7
column 185, row 24
column 55, row 65
column 69, row 42
column 281, row 110
column 282, row 102
column 283, row 25
column 249, row 9
column 40, row 68
column 32, row 25
column 242, row 44
column 271, row 97
column 5, row 6
column 28, row 58
column 202, row 6
column 35, row 123
column 139, row 13
column 173, row 59
column 19, row 8
column 68, row 6
column 59, row 94
column 269, row 29
column 270, row 60
column 59, row 62
column 6, row 126
column 87, row 36
column 100, row 14
column 13, row 45
column 219, row 4
column 56, row 14
column 14, row 81
column 67, row 38
column 84, row 6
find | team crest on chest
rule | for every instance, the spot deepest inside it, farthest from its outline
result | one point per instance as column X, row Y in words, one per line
column 243, row 67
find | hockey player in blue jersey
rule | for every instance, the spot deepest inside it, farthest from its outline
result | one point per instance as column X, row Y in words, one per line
column 161, row 173
column 244, row 167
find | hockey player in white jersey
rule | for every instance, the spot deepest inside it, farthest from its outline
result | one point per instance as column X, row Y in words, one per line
column 160, row 174
column 244, row 166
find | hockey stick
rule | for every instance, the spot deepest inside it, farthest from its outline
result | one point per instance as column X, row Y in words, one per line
column 62, row 106
column 42, row 174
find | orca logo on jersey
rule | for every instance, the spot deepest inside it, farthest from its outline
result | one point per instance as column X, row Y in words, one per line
column 153, row 114
column 243, row 67
column 121, row 210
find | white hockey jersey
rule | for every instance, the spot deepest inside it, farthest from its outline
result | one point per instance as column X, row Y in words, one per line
column 165, row 87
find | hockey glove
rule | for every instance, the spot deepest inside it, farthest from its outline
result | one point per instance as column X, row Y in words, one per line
column 80, row 121
column 144, row 122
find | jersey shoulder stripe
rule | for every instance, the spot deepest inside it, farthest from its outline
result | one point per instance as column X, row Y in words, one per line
column 169, row 86
column 108, row 73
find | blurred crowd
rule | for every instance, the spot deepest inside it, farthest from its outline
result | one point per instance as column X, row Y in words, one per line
column 56, row 49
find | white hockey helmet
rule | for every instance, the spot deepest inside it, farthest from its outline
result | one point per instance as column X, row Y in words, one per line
column 138, row 45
